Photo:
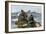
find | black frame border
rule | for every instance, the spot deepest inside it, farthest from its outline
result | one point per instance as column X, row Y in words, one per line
column 6, row 16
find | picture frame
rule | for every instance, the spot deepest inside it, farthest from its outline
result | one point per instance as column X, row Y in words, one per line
column 11, row 7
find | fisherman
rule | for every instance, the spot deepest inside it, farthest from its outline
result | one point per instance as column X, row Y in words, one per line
column 22, row 20
column 31, row 21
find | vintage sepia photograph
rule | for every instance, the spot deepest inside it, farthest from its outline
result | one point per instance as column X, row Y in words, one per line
column 25, row 16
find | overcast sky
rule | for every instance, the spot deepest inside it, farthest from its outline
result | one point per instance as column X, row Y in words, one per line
column 16, row 8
